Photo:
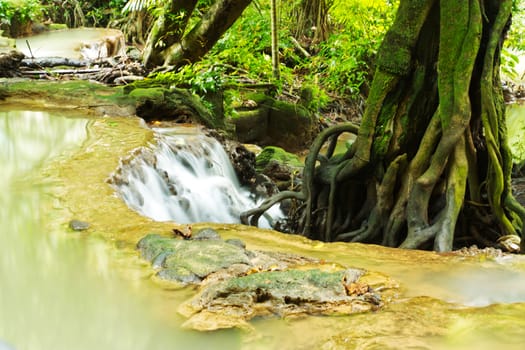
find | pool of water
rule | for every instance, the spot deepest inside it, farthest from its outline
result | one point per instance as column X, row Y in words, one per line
column 63, row 43
column 68, row 290
column 60, row 290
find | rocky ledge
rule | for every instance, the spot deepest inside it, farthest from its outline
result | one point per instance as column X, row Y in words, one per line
column 236, row 284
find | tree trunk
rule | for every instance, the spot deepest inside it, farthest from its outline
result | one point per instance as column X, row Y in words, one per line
column 276, row 72
column 311, row 21
column 169, row 45
column 167, row 30
column 430, row 167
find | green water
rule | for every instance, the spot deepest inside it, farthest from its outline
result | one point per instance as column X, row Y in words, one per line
column 58, row 291
column 65, row 290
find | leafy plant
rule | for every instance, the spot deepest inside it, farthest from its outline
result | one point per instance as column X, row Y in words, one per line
column 345, row 60
column 200, row 78
column 515, row 37
column 22, row 10
column 509, row 63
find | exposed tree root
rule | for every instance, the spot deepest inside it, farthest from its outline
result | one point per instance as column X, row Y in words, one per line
column 431, row 151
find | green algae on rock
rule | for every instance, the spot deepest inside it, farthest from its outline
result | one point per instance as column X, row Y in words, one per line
column 237, row 284
column 288, row 293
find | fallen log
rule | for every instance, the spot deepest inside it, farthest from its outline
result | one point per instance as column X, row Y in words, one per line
column 60, row 71
column 53, row 62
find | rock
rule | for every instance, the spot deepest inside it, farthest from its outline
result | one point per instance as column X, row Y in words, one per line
column 211, row 255
column 237, row 284
column 152, row 245
column 179, row 274
column 237, row 242
column 283, row 293
column 189, row 261
column 77, row 225
column 283, row 168
column 206, row 233
column 277, row 154
column 10, row 63
column 205, row 257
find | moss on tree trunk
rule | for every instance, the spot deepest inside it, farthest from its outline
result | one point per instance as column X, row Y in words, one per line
column 169, row 42
column 430, row 167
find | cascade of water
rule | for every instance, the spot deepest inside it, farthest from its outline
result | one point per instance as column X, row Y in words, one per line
column 186, row 177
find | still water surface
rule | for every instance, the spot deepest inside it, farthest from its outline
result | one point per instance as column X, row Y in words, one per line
column 59, row 292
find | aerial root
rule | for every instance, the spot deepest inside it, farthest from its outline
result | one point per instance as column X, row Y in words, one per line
column 379, row 215
column 256, row 213
column 444, row 224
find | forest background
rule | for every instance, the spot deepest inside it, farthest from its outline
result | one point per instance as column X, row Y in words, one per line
column 336, row 64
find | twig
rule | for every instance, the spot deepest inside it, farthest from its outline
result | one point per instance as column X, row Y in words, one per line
column 300, row 48
column 29, row 47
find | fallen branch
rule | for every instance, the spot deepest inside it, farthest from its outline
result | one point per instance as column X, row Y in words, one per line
column 298, row 46
column 61, row 71
column 53, row 62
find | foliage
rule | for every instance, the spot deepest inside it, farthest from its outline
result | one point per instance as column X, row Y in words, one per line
column 509, row 63
column 514, row 43
column 200, row 78
column 338, row 67
column 23, row 10
column 345, row 60
column 76, row 13
column 515, row 39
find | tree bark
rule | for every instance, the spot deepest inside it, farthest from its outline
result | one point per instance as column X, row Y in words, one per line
column 431, row 150
column 169, row 45
column 276, row 72
column 311, row 20
column 167, row 30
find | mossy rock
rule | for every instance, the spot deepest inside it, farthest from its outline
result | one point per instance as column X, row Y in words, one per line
column 251, row 125
column 190, row 261
column 284, row 293
column 277, row 154
column 96, row 98
column 161, row 103
column 205, row 257
column 149, row 103
column 290, row 126
column 274, row 122
column 57, row 26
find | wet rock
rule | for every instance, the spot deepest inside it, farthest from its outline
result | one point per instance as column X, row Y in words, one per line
column 77, row 225
column 237, row 284
column 179, row 274
column 237, row 242
column 283, row 293
column 205, row 257
column 189, row 261
column 283, row 168
column 152, row 245
column 206, row 233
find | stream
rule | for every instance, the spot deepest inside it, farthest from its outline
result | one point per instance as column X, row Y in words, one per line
column 60, row 291
column 90, row 290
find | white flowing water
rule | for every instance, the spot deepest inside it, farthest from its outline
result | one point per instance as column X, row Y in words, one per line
column 187, row 177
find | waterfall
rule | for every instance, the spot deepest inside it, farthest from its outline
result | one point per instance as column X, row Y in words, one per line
column 186, row 177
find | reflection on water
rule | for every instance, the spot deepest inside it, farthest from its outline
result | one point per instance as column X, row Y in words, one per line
column 57, row 292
